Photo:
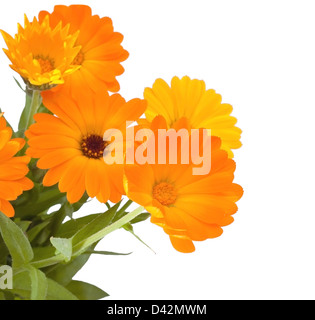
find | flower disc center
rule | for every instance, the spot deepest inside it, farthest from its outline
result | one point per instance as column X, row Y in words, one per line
column 93, row 146
column 165, row 193
column 46, row 64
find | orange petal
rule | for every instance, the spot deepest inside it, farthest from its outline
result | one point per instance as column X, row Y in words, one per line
column 6, row 208
column 54, row 175
column 182, row 244
column 56, row 157
column 105, row 188
column 5, row 135
column 92, row 181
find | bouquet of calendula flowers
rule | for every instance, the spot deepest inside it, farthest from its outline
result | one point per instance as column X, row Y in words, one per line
column 170, row 152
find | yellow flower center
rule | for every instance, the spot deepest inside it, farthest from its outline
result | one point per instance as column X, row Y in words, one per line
column 93, row 146
column 78, row 60
column 46, row 64
column 164, row 193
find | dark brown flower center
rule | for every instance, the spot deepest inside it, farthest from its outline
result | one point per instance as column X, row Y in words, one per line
column 93, row 146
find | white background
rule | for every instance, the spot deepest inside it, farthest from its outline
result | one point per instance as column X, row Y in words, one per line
column 260, row 55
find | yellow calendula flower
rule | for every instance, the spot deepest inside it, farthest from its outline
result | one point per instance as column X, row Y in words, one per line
column 42, row 55
column 202, row 108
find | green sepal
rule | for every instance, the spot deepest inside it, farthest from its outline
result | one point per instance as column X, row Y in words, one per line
column 19, row 85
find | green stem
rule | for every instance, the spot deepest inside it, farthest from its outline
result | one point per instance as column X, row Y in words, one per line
column 35, row 104
column 48, row 262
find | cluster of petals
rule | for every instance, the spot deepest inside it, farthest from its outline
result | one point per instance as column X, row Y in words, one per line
column 188, row 207
column 70, row 48
column 189, row 98
column 74, row 58
column 40, row 54
column 13, row 170
column 70, row 143
column 101, row 53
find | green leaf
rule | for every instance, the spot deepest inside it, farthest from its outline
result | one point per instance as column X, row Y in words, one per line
column 94, row 231
column 18, row 245
column 47, row 226
column 21, row 283
column 63, row 273
column 57, row 292
column 63, row 246
column 107, row 253
column 45, row 256
column 22, row 286
column 56, row 218
column 99, row 223
column 86, row 236
column 6, row 295
column 128, row 227
column 122, row 211
column 39, row 283
column 23, row 224
column 71, row 227
column 34, row 231
column 38, row 199
column 76, row 206
column 141, row 217
column 3, row 252
column 86, row 291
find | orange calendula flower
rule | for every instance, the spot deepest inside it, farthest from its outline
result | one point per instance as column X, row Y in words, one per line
column 42, row 55
column 189, row 99
column 101, row 52
column 188, row 207
column 12, row 169
column 70, row 144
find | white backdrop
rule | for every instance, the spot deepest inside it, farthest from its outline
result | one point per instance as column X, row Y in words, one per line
column 260, row 55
